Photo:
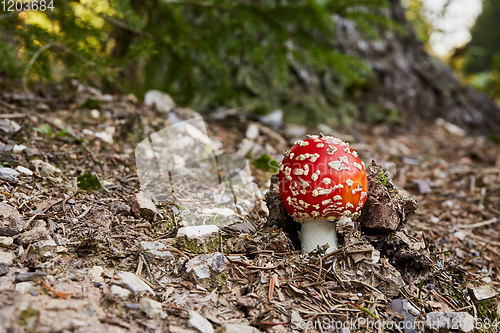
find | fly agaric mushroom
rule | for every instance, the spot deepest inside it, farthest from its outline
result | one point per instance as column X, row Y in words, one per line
column 321, row 180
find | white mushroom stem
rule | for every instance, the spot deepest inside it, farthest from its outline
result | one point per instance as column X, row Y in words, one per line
column 316, row 233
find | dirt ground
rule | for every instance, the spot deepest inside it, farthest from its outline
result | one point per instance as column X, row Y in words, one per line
column 79, row 260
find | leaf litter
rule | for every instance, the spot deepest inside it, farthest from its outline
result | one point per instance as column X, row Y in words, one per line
column 79, row 260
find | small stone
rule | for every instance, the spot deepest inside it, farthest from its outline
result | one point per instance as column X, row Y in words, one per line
column 6, row 241
column 96, row 273
column 4, row 268
column 200, row 323
column 399, row 305
column 118, row 292
column 131, row 306
column 152, row 308
column 243, row 227
column 162, row 101
column 205, row 269
column 132, row 282
column 155, row 250
column 18, row 149
column 245, row 147
column 9, row 174
column 450, row 320
column 33, row 293
column 45, row 247
column 345, row 330
column 23, row 287
column 295, row 132
column 6, row 257
column 8, row 126
column 483, row 292
column 423, row 186
column 142, row 206
column 97, row 284
column 252, row 132
column 24, row 171
column 34, row 235
column 239, row 328
column 106, row 135
column 119, row 209
column 430, row 286
column 95, row 114
column 8, row 232
column 199, row 232
column 31, row 276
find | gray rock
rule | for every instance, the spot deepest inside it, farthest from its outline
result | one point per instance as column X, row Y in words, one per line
column 142, row 207
column 9, row 174
column 205, row 269
column 118, row 292
column 34, row 235
column 162, row 101
column 483, row 292
column 275, row 118
column 238, row 328
column 245, row 147
column 31, row 276
column 423, row 186
column 45, row 169
column 200, row 323
column 461, row 321
column 152, row 308
column 132, row 282
column 297, row 132
column 4, row 268
column 9, row 126
column 6, row 257
column 119, row 209
column 155, row 250
column 131, row 306
column 6, row 241
column 24, row 171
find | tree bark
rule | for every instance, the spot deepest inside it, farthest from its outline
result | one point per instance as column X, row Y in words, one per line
column 410, row 80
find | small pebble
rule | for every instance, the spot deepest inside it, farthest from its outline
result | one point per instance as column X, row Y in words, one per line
column 131, row 306
column 33, row 293
column 430, row 286
column 4, row 269
column 97, row 284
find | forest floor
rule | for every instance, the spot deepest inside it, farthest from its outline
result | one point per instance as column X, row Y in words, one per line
column 81, row 261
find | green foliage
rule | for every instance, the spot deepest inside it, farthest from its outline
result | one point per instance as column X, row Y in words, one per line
column 266, row 163
column 88, row 182
column 256, row 54
column 47, row 131
column 480, row 60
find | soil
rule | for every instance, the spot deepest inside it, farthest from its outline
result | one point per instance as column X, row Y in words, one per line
column 70, row 245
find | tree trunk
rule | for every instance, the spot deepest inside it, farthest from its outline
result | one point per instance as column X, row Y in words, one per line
column 408, row 79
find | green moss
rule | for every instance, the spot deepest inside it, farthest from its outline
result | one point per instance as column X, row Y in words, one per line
column 194, row 246
column 383, row 177
column 487, row 315
column 92, row 103
column 266, row 163
column 27, row 314
column 88, row 182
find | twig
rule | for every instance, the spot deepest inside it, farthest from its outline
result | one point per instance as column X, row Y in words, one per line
column 56, row 293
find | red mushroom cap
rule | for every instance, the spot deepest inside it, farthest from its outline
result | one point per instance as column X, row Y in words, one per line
column 322, row 178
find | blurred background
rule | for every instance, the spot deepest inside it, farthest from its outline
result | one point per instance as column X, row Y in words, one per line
column 333, row 62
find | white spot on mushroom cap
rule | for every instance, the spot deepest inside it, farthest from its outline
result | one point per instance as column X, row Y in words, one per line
column 344, row 159
column 337, row 197
column 315, row 213
column 320, row 145
column 320, row 191
column 349, row 182
column 326, row 202
column 303, row 192
column 327, row 181
column 357, row 165
column 349, row 205
column 337, row 165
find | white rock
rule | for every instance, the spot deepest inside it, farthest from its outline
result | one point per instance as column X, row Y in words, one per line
column 155, row 250
column 152, row 308
column 133, row 283
column 449, row 320
column 24, row 171
column 245, row 147
column 96, row 273
column 107, row 135
column 483, row 292
column 452, row 128
column 87, row 132
column 23, row 287
column 199, row 322
column 6, row 241
column 9, row 174
column 252, row 131
column 161, row 100
column 198, row 232
column 6, row 257
column 295, row 131
column 118, row 292
column 95, row 114
column 9, row 126
column 219, row 211
column 326, row 130
column 274, row 118
column 18, row 149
